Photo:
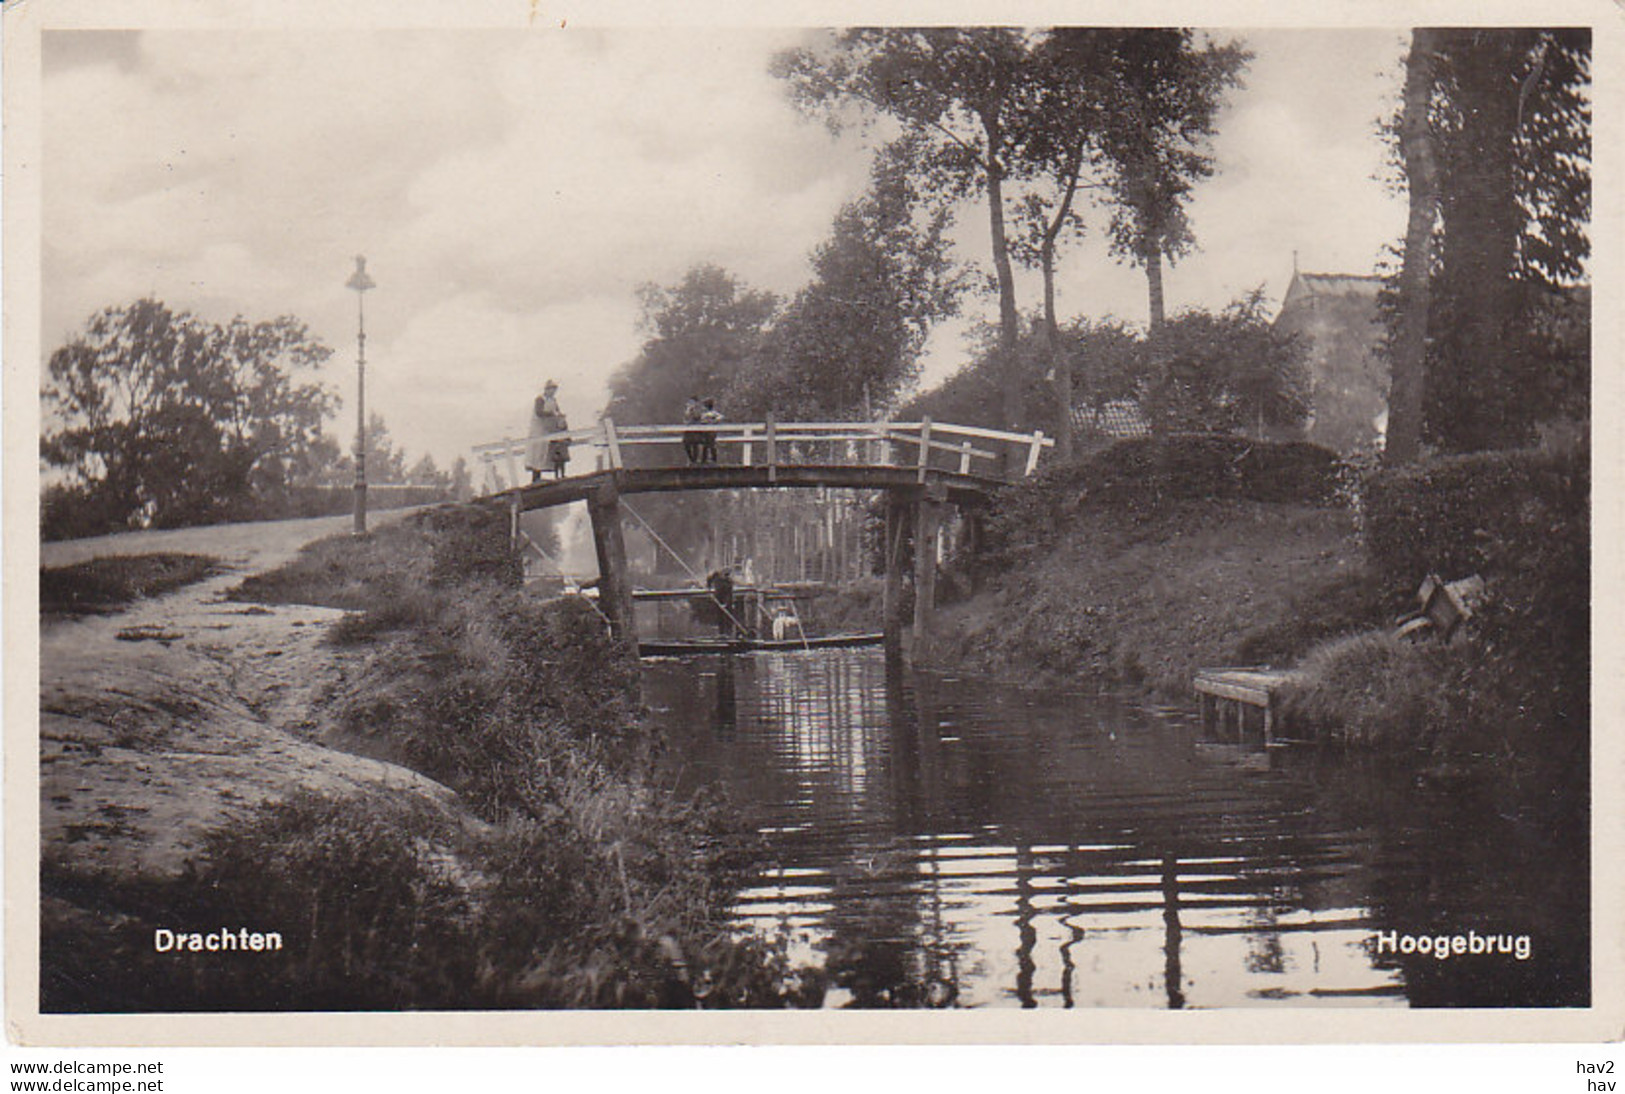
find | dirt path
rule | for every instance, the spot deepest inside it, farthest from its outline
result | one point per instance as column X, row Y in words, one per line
column 160, row 722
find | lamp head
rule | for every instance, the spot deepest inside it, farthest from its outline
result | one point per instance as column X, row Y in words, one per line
column 359, row 281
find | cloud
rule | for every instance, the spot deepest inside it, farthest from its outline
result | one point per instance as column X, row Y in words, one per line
column 511, row 190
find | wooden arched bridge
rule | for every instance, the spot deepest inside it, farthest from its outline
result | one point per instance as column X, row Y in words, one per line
column 921, row 467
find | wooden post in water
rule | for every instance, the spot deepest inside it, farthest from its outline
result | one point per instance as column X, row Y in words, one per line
column 614, row 582
column 927, row 524
column 892, row 598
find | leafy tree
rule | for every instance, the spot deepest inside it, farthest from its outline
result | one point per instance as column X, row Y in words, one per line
column 953, row 89
column 1058, row 131
column 703, row 332
column 461, row 485
column 159, row 418
column 385, row 463
column 1165, row 90
column 972, row 395
column 425, row 473
column 1107, row 361
column 1227, row 371
column 851, row 339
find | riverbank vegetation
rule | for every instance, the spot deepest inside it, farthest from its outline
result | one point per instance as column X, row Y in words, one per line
column 1138, row 564
column 562, row 873
column 579, row 880
column 1517, row 681
column 1142, row 563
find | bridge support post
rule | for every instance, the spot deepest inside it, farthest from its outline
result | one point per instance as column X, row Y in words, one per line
column 892, row 598
column 927, row 525
column 614, row 581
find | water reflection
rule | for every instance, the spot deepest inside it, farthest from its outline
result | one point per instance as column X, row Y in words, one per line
column 938, row 842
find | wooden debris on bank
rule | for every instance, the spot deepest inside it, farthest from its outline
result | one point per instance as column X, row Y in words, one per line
column 1444, row 607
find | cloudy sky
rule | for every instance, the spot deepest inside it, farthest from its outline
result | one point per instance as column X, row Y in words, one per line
column 511, row 189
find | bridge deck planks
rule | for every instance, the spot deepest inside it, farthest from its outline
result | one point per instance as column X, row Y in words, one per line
column 959, row 488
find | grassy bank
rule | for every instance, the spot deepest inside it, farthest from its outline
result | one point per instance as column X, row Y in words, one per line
column 564, row 875
column 114, row 582
column 1139, row 565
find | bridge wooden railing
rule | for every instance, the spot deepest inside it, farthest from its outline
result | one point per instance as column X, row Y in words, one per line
column 924, row 445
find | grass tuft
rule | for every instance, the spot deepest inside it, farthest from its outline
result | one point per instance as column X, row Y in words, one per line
column 114, row 582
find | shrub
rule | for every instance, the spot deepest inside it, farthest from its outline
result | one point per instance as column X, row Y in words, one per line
column 1136, row 478
column 445, row 548
column 470, row 543
column 1375, row 689
column 74, row 512
column 368, row 895
column 490, row 694
column 1521, row 520
column 1484, row 512
column 614, row 896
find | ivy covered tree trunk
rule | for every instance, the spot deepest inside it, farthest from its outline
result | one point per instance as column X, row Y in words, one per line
column 1408, row 359
column 1474, row 398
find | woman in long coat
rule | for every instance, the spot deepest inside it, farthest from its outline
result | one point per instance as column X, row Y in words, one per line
column 544, row 418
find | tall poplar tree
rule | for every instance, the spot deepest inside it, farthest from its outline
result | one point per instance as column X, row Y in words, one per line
column 955, row 90
column 1408, row 350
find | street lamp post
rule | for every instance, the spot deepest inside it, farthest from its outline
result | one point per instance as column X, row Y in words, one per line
column 360, row 282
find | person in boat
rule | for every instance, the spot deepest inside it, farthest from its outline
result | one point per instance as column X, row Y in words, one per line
column 721, row 584
column 544, row 412
column 693, row 439
column 781, row 624
column 709, row 415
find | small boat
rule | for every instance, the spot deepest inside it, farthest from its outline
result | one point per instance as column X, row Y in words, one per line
column 673, row 647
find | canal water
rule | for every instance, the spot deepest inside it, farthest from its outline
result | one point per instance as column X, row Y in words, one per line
column 932, row 841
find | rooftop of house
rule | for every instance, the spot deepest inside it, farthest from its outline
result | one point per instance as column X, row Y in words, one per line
column 1117, row 418
column 1321, row 284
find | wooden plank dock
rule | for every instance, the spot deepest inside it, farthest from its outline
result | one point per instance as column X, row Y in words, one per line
column 1227, row 695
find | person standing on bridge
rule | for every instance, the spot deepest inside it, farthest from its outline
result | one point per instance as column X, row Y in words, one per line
column 708, row 440
column 544, row 419
column 693, row 439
